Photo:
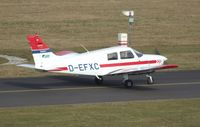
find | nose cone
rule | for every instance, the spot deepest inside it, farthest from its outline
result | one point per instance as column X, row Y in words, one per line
column 163, row 58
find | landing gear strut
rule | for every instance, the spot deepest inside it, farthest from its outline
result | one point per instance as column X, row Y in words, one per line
column 150, row 79
column 127, row 82
column 98, row 80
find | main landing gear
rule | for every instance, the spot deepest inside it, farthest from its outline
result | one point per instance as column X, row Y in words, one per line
column 98, row 80
column 127, row 82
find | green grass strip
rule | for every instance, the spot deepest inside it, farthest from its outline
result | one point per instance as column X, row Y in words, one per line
column 165, row 113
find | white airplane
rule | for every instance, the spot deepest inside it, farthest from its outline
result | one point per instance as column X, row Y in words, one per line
column 117, row 60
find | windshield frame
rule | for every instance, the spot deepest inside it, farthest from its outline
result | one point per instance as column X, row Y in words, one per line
column 139, row 54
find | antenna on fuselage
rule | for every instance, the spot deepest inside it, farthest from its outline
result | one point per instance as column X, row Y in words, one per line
column 130, row 15
column 84, row 48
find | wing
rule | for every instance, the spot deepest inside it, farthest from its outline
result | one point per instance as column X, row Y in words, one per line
column 166, row 66
column 133, row 71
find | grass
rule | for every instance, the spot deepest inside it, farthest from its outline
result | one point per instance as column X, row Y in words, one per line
column 166, row 113
column 170, row 26
column 2, row 60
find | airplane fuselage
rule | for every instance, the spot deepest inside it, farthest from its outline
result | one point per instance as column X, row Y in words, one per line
column 99, row 62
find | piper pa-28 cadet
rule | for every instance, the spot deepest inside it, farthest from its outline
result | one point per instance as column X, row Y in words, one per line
column 117, row 60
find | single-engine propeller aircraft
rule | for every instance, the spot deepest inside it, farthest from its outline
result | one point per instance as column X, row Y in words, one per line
column 117, row 60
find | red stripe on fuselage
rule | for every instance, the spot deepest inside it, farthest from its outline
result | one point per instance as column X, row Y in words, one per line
column 168, row 66
column 128, row 63
column 113, row 65
column 59, row 69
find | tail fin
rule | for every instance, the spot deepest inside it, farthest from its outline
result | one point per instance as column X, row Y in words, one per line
column 42, row 55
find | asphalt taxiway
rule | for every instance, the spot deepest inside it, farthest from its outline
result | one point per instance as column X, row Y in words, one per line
column 53, row 90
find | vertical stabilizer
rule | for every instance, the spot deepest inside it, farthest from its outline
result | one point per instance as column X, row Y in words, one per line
column 42, row 55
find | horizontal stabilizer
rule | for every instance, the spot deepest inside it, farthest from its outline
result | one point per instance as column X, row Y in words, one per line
column 32, row 66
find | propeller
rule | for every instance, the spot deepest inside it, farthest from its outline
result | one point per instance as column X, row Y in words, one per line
column 157, row 52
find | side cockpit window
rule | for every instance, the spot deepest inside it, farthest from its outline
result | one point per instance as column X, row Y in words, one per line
column 112, row 56
column 126, row 54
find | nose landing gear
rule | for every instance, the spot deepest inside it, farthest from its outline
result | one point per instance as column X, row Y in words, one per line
column 150, row 79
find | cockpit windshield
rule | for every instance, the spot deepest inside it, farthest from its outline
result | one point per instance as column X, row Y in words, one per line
column 139, row 54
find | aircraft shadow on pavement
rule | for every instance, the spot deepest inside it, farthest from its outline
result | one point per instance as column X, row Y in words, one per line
column 50, row 82
column 109, row 81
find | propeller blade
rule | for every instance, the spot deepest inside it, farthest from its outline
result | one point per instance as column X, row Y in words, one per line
column 157, row 52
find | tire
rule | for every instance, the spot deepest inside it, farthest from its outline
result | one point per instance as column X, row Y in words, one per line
column 128, row 84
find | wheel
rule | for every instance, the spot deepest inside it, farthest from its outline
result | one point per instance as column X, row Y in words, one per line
column 99, row 80
column 150, row 80
column 128, row 83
